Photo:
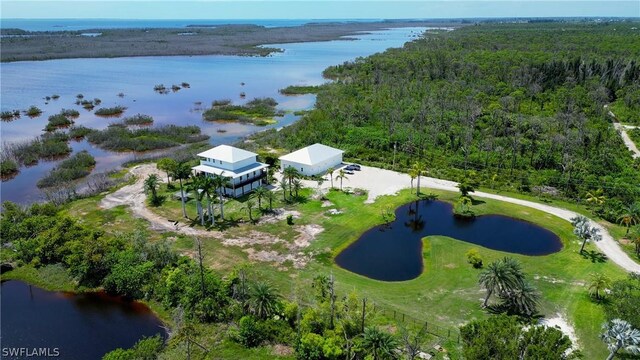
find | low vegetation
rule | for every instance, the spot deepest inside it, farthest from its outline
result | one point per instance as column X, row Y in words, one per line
column 138, row 119
column 300, row 90
column 123, row 139
column 33, row 111
column 112, row 111
column 78, row 132
column 260, row 111
column 47, row 146
column 58, row 121
column 77, row 166
column 9, row 115
column 8, row 167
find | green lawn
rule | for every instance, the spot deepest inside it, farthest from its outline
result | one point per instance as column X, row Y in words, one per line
column 446, row 294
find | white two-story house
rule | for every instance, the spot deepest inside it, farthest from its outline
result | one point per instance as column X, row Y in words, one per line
column 241, row 166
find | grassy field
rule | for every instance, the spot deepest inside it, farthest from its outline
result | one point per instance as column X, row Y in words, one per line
column 446, row 294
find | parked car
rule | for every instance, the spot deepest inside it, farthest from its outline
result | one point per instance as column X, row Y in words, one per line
column 348, row 172
column 352, row 167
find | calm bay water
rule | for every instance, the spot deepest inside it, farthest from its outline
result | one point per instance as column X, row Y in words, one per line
column 82, row 326
column 393, row 252
column 84, row 24
column 211, row 77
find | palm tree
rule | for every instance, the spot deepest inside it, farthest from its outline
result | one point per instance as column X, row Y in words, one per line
column 260, row 193
column 379, row 344
column 270, row 195
column 291, row 173
column 599, row 283
column 583, row 230
column 330, row 172
column 264, row 301
column 630, row 216
column 635, row 239
column 412, row 174
column 221, row 182
column 283, row 185
column 196, row 187
column 182, row 172
column 151, row 186
column 522, row 299
column 418, row 169
column 249, row 205
column 499, row 277
column 341, row 175
column 595, row 197
column 209, row 189
column 297, row 186
column 619, row 334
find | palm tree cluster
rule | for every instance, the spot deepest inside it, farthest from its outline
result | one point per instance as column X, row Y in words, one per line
column 630, row 216
column 506, row 279
column 291, row 182
column 582, row 228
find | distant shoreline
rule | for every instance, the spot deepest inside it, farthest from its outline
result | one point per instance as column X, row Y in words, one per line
column 244, row 40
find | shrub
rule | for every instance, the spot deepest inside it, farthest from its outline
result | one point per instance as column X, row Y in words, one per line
column 70, row 113
column 250, row 333
column 75, row 167
column 138, row 119
column 112, row 111
column 123, row 139
column 8, row 167
column 9, row 115
column 79, row 132
column 289, row 219
column 57, row 121
column 473, row 258
column 144, row 349
column 33, row 111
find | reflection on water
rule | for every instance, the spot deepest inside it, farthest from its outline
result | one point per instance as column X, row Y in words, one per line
column 393, row 252
column 82, row 326
column 211, row 77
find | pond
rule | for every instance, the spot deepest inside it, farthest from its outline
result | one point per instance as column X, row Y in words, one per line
column 393, row 252
column 76, row 326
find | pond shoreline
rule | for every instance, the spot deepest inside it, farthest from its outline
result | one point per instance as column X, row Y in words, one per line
column 25, row 274
column 244, row 40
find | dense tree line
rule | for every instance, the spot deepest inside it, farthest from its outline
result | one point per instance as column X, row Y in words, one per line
column 522, row 105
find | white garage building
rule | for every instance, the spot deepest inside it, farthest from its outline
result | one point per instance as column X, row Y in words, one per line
column 312, row 160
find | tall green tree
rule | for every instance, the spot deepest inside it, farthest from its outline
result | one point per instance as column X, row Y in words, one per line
column 630, row 216
column 291, row 174
column 151, row 184
column 168, row 165
column 181, row 172
column 259, row 194
column 221, row 182
column 341, row 176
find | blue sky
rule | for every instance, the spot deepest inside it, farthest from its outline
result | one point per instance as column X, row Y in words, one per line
column 312, row 9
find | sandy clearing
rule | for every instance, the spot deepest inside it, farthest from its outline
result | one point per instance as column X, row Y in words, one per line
column 386, row 182
column 559, row 321
column 134, row 197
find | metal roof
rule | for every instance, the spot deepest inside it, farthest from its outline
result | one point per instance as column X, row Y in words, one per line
column 227, row 153
column 313, row 154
